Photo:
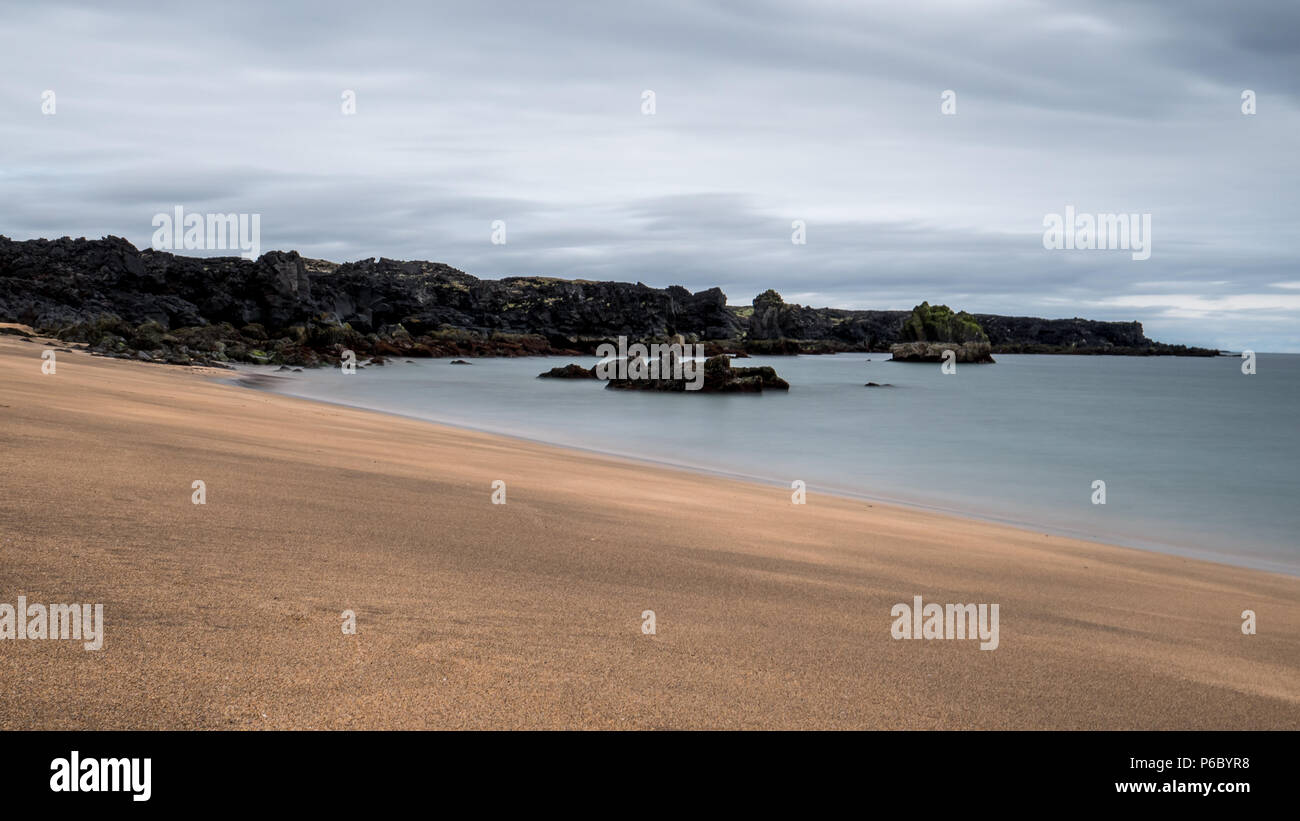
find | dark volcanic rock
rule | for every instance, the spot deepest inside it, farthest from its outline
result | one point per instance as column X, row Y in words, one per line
column 776, row 327
column 1027, row 334
column 1061, row 333
column 774, row 319
column 973, row 352
column 719, row 377
column 300, row 311
column 568, row 372
column 287, row 309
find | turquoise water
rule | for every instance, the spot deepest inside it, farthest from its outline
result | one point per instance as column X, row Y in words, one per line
column 1198, row 459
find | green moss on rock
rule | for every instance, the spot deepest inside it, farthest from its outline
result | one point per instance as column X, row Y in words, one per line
column 938, row 323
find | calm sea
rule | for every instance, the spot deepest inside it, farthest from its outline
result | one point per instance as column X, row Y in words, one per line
column 1197, row 458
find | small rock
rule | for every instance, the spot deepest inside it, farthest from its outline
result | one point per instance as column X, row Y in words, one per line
column 570, row 371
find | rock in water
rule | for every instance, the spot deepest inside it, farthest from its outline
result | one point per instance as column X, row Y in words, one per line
column 569, row 371
column 719, row 377
column 973, row 352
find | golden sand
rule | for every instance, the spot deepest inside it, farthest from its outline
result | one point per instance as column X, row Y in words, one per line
column 529, row 614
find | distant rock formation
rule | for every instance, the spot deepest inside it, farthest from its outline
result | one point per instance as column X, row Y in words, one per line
column 931, row 330
column 939, row 323
column 974, row 352
column 719, row 377
column 1027, row 334
column 287, row 309
column 777, row 327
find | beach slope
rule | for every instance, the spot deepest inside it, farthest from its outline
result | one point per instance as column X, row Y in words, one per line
column 529, row 614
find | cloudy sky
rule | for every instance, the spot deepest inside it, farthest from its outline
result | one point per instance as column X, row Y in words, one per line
column 764, row 113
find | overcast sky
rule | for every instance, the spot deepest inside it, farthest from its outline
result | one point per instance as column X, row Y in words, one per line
column 765, row 113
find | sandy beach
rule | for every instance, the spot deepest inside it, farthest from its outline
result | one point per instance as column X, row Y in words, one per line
column 471, row 614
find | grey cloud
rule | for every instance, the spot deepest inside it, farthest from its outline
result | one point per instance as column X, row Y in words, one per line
column 767, row 112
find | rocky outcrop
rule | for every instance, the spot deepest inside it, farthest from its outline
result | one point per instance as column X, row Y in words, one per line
column 772, row 318
column 939, row 323
column 932, row 330
column 719, row 377
column 56, row 283
column 973, row 352
column 1027, row 334
column 570, row 371
column 287, row 309
column 283, row 308
column 776, row 327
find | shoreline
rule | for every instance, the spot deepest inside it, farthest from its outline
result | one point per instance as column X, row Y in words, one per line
column 245, row 377
column 529, row 614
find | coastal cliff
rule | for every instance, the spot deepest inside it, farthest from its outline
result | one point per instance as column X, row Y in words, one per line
column 284, row 308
